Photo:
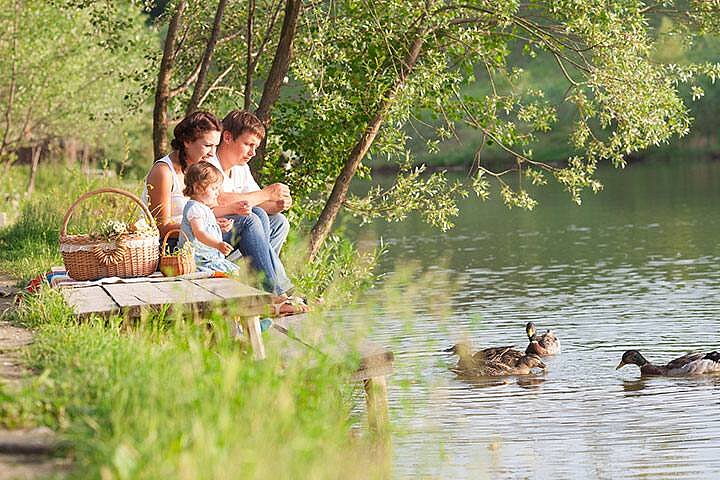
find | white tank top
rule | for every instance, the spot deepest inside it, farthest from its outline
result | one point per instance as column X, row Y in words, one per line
column 177, row 199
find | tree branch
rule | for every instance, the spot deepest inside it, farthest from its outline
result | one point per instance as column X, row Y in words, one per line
column 207, row 57
column 215, row 84
column 186, row 83
column 278, row 71
column 322, row 227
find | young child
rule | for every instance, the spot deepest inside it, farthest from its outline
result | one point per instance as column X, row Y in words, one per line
column 203, row 183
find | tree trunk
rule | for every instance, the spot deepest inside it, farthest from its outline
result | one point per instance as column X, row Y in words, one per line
column 86, row 161
column 250, row 63
column 70, row 146
column 278, row 72
column 162, row 91
column 322, row 227
column 13, row 78
column 36, row 150
column 207, row 56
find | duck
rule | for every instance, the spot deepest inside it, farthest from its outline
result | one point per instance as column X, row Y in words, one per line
column 493, row 361
column 544, row 345
column 694, row 363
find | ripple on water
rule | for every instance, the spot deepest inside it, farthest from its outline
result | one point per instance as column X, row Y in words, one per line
column 606, row 279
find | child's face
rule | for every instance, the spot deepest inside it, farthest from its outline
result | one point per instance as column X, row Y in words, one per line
column 209, row 196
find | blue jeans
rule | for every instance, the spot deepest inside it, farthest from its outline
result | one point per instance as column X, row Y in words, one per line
column 276, row 227
column 251, row 236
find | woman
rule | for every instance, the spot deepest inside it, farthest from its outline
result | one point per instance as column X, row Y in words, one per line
column 196, row 138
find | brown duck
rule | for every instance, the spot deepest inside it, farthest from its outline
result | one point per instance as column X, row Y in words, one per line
column 696, row 363
column 493, row 361
column 543, row 345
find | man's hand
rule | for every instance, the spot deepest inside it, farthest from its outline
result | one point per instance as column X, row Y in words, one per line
column 240, row 207
column 277, row 192
column 284, row 204
column 225, row 224
column 224, row 247
column 279, row 198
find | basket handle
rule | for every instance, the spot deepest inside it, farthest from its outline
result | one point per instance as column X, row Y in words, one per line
column 167, row 234
column 148, row 215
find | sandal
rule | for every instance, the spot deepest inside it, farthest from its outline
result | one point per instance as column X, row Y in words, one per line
column 288, row 307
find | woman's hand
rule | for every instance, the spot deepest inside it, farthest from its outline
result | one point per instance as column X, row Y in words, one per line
column 225, row 224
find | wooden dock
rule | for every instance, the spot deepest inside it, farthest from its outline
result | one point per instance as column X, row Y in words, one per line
column 133, row 298
column 247, row 305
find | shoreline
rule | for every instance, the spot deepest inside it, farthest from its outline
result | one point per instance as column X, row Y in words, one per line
column 392, row 169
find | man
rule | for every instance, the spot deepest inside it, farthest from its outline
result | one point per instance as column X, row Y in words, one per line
column 259, row 228
column 241, row 136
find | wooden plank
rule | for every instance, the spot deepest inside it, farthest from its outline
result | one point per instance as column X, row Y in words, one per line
column 251, row 300
column 375, row 360
column 134, row 296
column 228, row 288
column 160, row 293
column 87, row 300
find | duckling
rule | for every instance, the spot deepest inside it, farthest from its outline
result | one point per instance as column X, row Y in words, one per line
column 695, row 363
column 493, row 361
column 543, row 345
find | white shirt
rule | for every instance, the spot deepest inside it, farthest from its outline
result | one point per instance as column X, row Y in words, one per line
column 240, row 179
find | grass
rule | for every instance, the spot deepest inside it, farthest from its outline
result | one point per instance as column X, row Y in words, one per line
column 168, row 397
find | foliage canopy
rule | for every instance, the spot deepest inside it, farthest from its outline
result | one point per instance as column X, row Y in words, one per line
column 369, row 81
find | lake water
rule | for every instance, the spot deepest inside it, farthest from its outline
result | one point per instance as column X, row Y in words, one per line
column 636, row 266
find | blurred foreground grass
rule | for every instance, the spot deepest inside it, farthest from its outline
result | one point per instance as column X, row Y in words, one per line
column 169, row 398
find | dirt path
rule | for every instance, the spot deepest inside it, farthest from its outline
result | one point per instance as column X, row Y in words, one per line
column 27, row 453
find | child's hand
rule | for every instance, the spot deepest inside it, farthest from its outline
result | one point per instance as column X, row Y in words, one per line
column 224, row 247
column 225, row 224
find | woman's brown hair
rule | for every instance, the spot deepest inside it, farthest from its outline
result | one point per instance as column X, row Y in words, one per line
column 189, row 129
column 199, row 177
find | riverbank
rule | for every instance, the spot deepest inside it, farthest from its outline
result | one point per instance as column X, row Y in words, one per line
column 25, row 453
column 461, row 160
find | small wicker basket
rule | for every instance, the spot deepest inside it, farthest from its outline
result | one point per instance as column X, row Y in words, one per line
column 128, row 255
column 181, row 263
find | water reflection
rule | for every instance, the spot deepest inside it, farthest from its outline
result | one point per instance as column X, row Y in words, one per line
column 634, row 268
column 524, row 381
column 631, row 386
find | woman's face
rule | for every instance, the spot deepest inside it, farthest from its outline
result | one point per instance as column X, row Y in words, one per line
column 202, row 148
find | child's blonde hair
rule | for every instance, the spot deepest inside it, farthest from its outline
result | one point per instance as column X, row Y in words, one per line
column 199, row 176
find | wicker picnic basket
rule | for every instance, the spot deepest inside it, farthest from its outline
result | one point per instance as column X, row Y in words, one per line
column 130, row 254
column 178, row 264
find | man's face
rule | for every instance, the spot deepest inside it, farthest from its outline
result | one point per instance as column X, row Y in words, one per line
column 243, row 147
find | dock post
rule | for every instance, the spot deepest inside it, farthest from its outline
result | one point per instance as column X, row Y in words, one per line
column 251, row 330
column 377, row 404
